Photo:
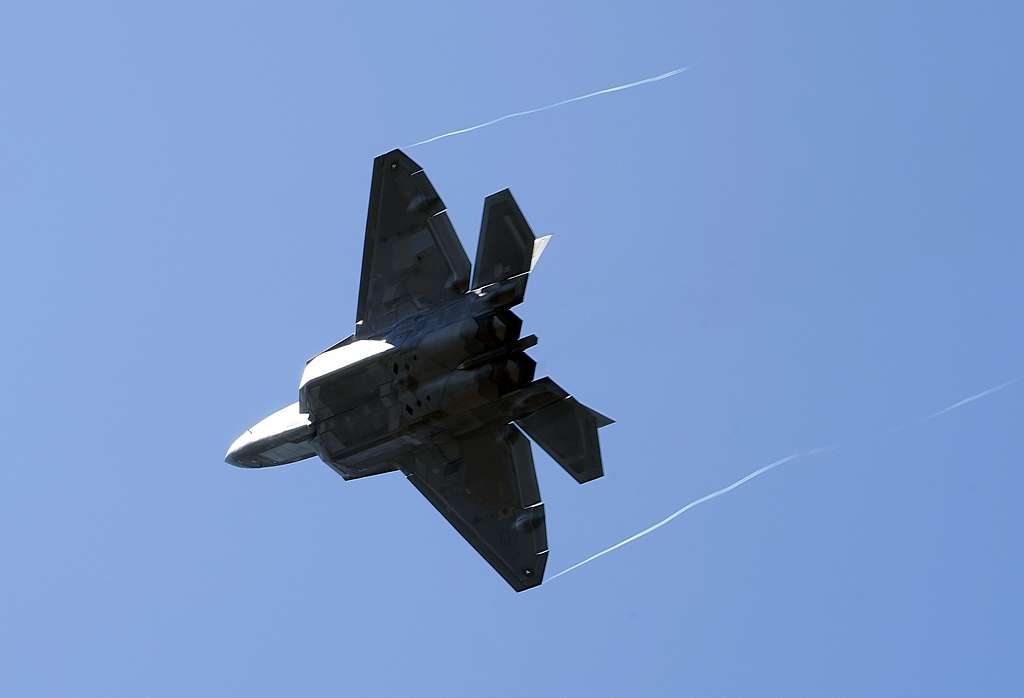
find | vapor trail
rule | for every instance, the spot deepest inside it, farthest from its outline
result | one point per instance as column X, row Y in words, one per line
column 970, row 399
column 771, row 466
column 513, row 115
column 650, row 529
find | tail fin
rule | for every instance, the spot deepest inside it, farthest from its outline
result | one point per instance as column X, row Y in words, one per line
column 567, row 431
column 507, row 245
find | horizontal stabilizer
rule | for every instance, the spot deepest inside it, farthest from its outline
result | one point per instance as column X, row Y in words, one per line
column 506, row 246
column 601, row 420
column 567, row 431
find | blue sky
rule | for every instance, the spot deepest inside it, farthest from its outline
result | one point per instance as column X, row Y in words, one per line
column 811, row 237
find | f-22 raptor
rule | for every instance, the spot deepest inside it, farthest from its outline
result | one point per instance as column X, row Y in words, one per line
column 436, row 381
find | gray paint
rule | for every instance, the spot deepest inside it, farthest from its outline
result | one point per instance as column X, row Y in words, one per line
column 443, row 403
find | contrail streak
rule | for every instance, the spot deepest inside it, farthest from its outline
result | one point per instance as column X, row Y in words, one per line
column 764, row 469
column 650, row 529
column 513, row 115
column 960, row 403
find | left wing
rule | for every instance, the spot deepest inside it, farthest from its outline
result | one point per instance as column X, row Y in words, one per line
column 412, row 258
column 485, row 485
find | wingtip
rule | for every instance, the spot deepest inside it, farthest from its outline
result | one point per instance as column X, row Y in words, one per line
column 396, row 159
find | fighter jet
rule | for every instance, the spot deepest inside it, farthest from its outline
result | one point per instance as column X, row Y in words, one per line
column 436, row 381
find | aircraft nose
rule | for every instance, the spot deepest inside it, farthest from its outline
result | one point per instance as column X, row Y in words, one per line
column 284, row 437
column 239, row 451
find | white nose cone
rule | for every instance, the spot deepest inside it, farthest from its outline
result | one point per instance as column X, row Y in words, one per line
column 284, row 437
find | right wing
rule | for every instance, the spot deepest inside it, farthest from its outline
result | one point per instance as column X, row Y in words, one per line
column 412, row 258
column 485, row 485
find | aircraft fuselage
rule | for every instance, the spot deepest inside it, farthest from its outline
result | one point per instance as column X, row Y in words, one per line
column 436, row 381
column 447, row 371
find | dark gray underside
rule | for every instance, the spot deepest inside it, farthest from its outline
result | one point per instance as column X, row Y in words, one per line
column 442, row 405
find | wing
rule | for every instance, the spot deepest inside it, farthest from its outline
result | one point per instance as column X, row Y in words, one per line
column 412, row 258
column 485, row 485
